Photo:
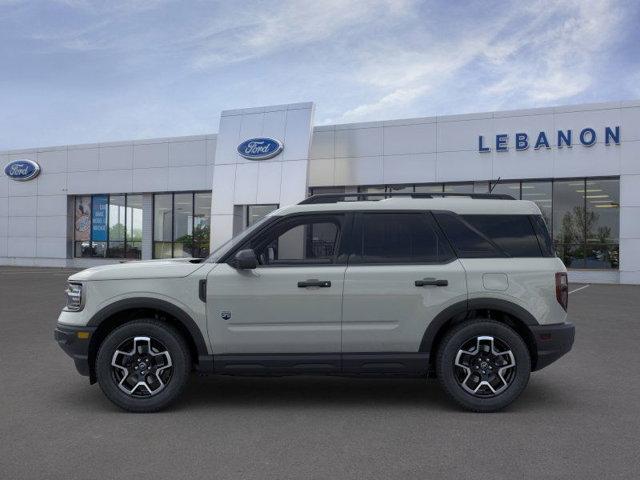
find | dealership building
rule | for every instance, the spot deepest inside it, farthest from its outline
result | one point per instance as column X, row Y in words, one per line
column 83, row 205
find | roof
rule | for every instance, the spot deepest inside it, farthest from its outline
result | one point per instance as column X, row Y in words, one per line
column 461, row 205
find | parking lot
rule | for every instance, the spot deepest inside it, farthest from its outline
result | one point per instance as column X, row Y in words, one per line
column 579, row 418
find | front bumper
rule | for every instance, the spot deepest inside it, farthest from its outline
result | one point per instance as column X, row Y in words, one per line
column 552, row 342
column 75, row 343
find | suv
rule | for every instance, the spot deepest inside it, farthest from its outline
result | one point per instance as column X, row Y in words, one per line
column 466, row 288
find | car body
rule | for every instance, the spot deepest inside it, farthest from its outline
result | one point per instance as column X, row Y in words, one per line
column 341, row 287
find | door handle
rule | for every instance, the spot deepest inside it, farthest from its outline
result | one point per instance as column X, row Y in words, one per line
column 314, row 283
column 431, row 281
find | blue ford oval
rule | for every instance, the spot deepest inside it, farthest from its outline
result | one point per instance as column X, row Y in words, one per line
column 260, row 148
column 22, row 170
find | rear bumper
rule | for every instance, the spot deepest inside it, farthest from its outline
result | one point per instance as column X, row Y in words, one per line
column 552, row 342
column 74, row 345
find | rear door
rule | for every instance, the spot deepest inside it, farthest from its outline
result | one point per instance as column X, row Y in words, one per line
column 401, row 274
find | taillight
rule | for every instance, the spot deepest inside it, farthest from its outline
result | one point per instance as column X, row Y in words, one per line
column 562, row 289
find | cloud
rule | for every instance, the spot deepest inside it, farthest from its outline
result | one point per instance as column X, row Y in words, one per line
column 541, row 53
column 265, row 31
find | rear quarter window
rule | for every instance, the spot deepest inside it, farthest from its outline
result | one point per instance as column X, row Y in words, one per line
column 513, row 234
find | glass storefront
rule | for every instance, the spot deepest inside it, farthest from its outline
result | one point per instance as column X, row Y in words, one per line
column 108, row 226
column 583, row 214
column 181, row 224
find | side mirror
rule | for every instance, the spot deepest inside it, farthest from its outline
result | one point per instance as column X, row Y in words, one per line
column 245, row 260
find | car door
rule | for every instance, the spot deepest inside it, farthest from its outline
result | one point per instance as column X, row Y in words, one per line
column 401, row 274
column 290, row 303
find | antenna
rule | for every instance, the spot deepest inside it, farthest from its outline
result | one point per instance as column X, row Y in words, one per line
column 494, row 185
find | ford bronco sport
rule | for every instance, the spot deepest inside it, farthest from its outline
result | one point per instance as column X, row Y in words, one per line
column 466, row 288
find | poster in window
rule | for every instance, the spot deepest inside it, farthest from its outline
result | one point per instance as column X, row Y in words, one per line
column 83, row 219
column 99, row 218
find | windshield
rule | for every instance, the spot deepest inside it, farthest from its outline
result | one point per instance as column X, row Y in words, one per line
column 235, row 241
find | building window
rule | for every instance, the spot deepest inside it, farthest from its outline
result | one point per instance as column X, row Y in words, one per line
column 582, row 215
column 108, row 226
column 256, row 212
column 181, row 224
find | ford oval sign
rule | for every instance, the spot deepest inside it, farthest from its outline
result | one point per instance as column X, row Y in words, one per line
column 260, row 148
column 22, row 170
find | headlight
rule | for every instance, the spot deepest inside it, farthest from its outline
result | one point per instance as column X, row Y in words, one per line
column 74, row 297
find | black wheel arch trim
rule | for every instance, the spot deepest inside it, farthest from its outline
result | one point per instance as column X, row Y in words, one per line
column 155, row 304
column 460, row 309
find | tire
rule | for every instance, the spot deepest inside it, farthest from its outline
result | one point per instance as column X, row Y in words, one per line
column 470, row 372
column 143, row 365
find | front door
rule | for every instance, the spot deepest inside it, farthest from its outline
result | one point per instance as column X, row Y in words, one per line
column 291, row 303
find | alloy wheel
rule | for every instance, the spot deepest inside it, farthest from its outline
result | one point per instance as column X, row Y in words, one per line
column 485, row 366
column 141, row 366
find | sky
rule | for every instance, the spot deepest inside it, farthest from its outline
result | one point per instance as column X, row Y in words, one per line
column 80, row 71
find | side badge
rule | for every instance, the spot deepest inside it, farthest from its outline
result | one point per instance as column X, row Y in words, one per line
column 226, row 315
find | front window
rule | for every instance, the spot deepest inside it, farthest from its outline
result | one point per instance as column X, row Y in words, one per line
column 299, row 241
column 108, row 226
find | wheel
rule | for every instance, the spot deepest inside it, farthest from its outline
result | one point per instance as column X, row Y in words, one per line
column 143, row 365
column 483, row 365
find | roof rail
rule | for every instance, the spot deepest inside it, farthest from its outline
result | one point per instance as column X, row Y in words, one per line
column 360, row 197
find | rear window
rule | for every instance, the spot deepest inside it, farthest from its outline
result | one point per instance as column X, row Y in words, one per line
column 513, row 234
column 466, row 240
column 399, row 238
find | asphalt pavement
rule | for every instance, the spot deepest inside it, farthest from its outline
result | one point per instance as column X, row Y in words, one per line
column 578, row 418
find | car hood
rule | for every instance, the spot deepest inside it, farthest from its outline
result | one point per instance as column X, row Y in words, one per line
column 171, row 268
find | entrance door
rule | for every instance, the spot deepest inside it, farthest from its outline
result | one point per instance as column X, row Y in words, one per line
column 290, row 303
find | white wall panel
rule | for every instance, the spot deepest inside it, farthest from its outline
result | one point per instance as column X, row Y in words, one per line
column 188, row 178
column 246, row 181
column 52, row 183
column 223, row 188
column 297, row 135
column 22, row 227
column 50, row 247
column 52, row 161
column 51, row 205
column 21, row 246
column 83, row 159
column 150, row 180
column 322, row 172
column 463, row 166
column 53, row 226
column 4, row 206
column 117, row 157
column 528, row 163
column 22, row 207
column 105, row 181
column 630, row 124
column 228, row 139
column 269, row 182
column 188, row 153
column 4, row 226
column 359, row 171
column 322, row 144
column 629, row 157
column 463, row 135
column 151, row 155
column 581, row 161
column 358, row 142
column 405, row 139
column 22, row 189
column 406, row 168
column 293, row 187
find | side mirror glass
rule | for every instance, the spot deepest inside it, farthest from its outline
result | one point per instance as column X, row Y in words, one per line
column 245, row 260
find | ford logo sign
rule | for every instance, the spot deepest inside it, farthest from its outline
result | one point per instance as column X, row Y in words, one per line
column 22, row 170
column 260, row 148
